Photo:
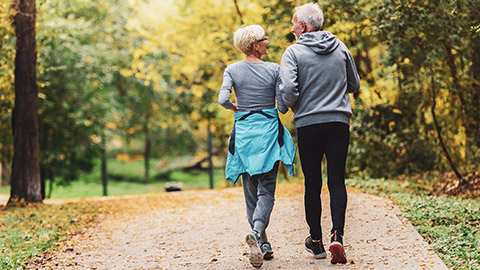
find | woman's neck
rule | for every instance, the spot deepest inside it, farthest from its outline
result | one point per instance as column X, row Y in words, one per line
column 251, row 58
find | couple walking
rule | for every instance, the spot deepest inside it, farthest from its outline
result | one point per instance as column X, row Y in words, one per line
column 314, row 80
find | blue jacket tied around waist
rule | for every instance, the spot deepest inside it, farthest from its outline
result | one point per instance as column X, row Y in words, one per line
column 257, row 141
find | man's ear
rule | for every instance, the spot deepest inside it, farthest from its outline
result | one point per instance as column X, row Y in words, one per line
column 304, row 26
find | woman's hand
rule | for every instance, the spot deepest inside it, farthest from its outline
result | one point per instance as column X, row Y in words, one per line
column 234, row 107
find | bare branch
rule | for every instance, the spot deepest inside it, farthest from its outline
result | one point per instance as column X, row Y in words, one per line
column 238, row 11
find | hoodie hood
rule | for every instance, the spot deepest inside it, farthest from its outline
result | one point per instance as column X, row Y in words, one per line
column 321, row 42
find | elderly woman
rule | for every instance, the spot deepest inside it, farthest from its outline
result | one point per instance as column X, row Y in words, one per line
column 258, row 140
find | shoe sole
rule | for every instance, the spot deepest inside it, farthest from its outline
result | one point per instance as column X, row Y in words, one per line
column 255, row 256
column 338, row 254
column 322, row 255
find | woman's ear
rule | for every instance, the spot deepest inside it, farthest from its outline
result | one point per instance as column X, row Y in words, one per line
column 255, row 47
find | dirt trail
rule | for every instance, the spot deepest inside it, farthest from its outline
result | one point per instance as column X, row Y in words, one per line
column 207, row 232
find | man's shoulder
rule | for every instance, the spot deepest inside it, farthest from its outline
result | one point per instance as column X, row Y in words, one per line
column 294, row 46
column 290, row 50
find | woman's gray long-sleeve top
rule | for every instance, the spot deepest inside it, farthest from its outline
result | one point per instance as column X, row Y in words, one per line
column 255, row 84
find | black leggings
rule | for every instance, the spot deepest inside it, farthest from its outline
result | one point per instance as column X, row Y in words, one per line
column 331, row 140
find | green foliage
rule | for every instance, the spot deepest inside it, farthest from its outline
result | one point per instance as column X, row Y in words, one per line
column 75, row 72
column 116, row 74
column 386, row 142
column 450, row 225
column 7, row 55
column 437, row 58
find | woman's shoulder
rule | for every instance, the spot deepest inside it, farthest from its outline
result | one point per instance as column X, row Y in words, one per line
column 242, row 65
column 268, row 66
column 236, row 65
column 274, row 67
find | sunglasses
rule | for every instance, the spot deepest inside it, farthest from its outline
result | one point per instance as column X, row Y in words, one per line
column 263, row 39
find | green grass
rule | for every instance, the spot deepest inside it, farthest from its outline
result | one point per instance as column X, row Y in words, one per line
column 89, row 184
column 85, row 189
column 4, row 189
column 450, row 225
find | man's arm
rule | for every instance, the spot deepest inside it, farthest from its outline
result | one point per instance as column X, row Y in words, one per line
column 288, row 75
column 353, row 80
column 282, row 107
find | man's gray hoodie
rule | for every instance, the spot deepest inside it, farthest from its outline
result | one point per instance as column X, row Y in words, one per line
column 317, row 73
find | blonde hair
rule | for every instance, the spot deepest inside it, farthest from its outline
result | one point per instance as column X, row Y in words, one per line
column 245, row 36
column 311, row 14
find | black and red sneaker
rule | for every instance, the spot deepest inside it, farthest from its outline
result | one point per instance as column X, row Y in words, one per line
column 337, row 250
column 316, row 248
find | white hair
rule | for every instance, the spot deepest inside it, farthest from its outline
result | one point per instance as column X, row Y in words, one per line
column 245, row 36
column 311, row 14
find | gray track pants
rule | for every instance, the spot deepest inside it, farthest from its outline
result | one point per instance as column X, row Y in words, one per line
column 259, row 191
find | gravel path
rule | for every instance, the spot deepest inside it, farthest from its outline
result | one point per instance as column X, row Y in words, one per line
column 206, row 230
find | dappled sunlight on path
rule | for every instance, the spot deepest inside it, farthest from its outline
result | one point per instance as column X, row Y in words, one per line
column 205, row 229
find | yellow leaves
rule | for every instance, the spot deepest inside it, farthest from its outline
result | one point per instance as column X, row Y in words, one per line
column 180, row 89
column 94, row 138
column 391, row 125
column 111, row 125
column 197, row 90
column 138, row 53
column 126, row 73
column 128, row 157
column 195, row 116
column 155, row 106
column 397, row 111
column 7, row 56
column 139, row 76
column 134, row 129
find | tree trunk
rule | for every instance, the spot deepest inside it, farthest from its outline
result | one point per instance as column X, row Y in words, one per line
column 104, row 169
column 434, row 115
column 210, row 162
column 148, row 146
column 25, row 181
column 43, row 182
column 475, row 124
column 51, row 178
column 470, row 102
column 6, row 171
column 438, row 128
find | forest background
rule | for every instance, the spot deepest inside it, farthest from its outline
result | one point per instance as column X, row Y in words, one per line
column 139, row 80
column 124, row 82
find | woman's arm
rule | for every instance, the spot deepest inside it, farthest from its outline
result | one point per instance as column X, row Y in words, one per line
column 226, row 91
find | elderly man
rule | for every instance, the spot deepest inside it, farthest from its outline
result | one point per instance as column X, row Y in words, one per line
column 317, row 73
